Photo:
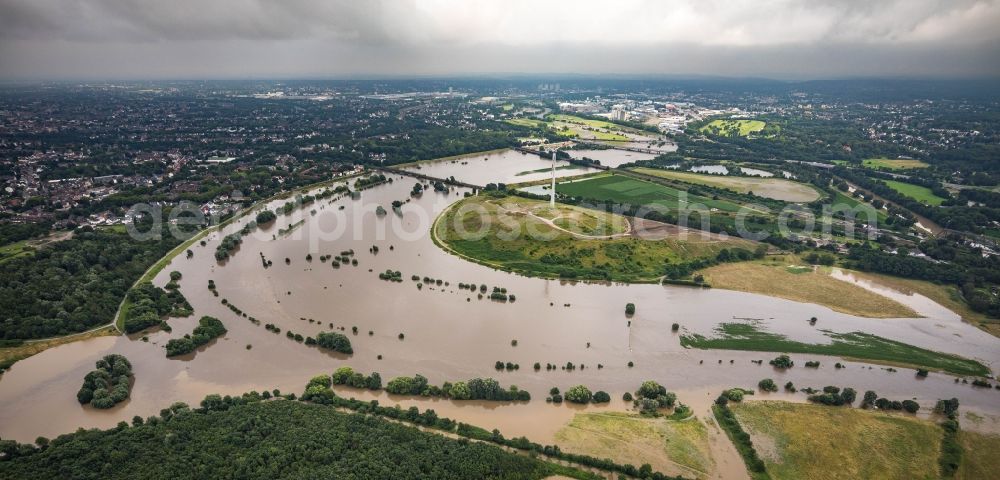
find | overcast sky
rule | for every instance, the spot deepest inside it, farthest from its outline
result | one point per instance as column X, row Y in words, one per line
column 108, row 39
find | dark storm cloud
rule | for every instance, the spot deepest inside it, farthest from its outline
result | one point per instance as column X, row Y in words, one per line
column 240, row 38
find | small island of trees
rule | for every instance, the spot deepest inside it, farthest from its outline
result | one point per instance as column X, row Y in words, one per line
column 107, row 385
column 208, row 328
column 334, row 341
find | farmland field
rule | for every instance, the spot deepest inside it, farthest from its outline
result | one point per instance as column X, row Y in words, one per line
column 797, row 441
column 775, row 188
column 680, row 447
column 916, row 192
column 626, row 190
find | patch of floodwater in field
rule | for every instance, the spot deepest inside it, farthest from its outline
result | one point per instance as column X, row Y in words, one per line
column 497, row 167
column 715, row 169
column 754, row 172
column 450, row 334
column 723, row 170
column 611, row 157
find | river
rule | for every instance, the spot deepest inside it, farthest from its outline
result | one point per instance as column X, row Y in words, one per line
column 452, row 335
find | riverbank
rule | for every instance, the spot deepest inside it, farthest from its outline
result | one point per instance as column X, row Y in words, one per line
column 790, row 278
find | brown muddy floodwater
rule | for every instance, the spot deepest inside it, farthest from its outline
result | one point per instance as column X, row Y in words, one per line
column 452, row 335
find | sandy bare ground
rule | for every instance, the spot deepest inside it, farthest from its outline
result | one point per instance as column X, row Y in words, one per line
column 551, row 223
column 653, row 230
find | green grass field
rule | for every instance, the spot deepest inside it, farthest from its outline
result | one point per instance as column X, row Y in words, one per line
column 632, row 191
column 728, row 127
column 854, row 345
column 893, row 163
column 775, row 188
column 527, row 122
column 916, row 192
column 628, row 438
column 498, row 238
column 841, row 198
column 980, row 458
column 14, row 250
column 799, row 441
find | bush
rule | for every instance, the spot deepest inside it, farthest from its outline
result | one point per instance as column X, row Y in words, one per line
column 767, row 385
column 334, row 341
column 579, row 394
column 601, row 397
column 782, row 361
column 629, row 309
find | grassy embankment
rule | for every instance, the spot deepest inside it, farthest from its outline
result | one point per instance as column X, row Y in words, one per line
column 893, row 163
column 820, row 442
column 774, row 188
column 857, row 346
column 503, row 241
column 543, row 170
column 11, row 355
column 451, row 158
column 788, row 278
column 676, row 447
column 917, row 192
column 730, row 127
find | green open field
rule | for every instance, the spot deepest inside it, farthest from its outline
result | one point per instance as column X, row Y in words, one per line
column 579, row 127
column 728, row 127
column 16, row 249
column 775, row 188
column 860, row 207
column 816, row 442
column 855, row 345
column 527, row 122
column 570, row 242
column 916, row 192
column 981, row 455
column 893, row 163
column 632, row 191
column 669, row 446
column 588, row 122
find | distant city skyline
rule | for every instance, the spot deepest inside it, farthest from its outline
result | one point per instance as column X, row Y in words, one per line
column 138, row 39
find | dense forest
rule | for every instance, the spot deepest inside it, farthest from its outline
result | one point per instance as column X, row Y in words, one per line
column 75, row 284
column 265, row 440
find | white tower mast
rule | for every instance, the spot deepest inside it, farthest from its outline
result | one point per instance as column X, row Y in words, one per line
column 552, row 200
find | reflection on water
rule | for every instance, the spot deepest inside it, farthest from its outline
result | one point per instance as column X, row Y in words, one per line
column 611, row 157
column 450, row 334
column 723, row 170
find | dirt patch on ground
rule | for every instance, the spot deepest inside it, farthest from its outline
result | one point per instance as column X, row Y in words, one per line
column 653, row 230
